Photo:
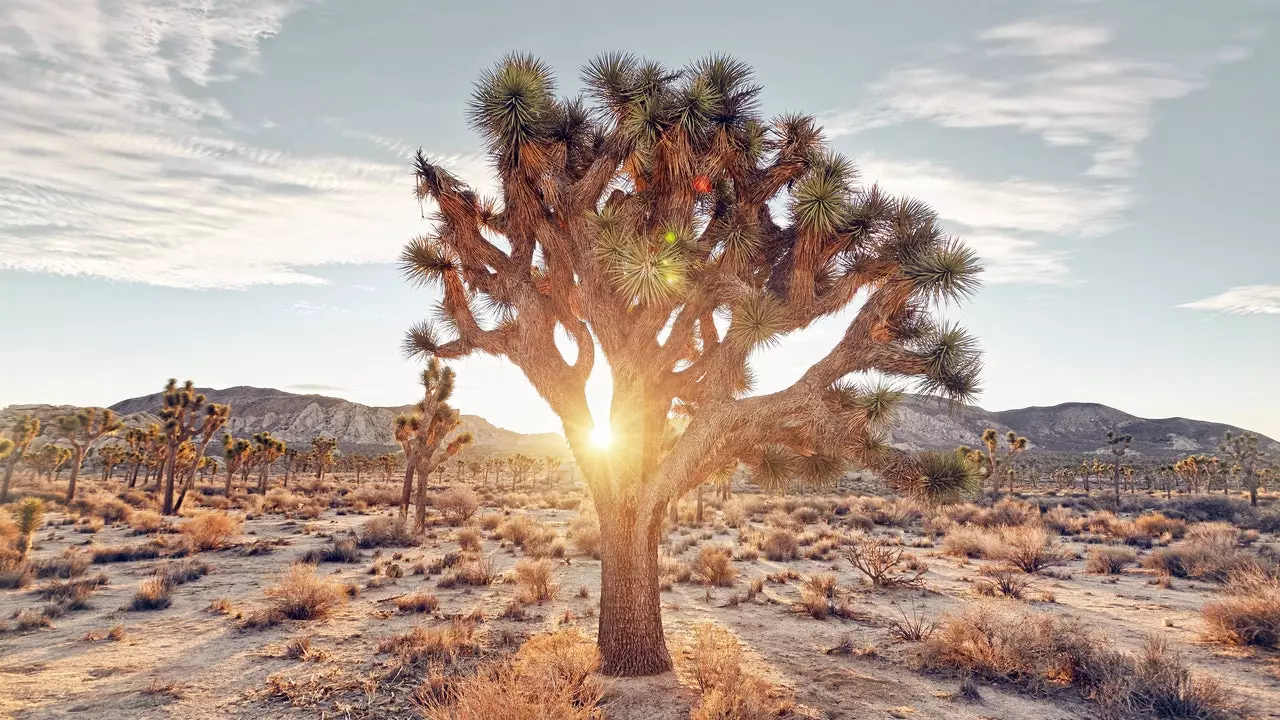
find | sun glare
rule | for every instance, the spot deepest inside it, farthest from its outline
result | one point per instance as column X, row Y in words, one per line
column 601, row 437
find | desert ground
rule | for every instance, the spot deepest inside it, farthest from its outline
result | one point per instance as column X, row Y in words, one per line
column 122, row 613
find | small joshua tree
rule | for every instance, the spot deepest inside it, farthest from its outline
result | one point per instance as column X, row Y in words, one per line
column 1014, row 446
column 425, row 435
column 235, row 453
column 111, row 456
column 81, row 430
column 667, row 225
column 322, row 454
column 266, row 450
column 30, row 516
column 1119, row 445
column 1242, row 450
column 23, row 430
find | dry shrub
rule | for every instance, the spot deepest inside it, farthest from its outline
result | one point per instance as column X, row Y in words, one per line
column 146, row 521
column 182, row 572
column 1029, row 548
column 584, row 532
column 969, row 542
column 155, row 593
column 1002, row 581
column 422, row 645
column 714, row 566
column 734, row 513
column 385, row 532
column 456, row 504
column 535, row 581
column 1004, row 644
column 780, row 545
column 89, row 525
column 1062, row 520
column 468, row 539
column 911, row 627
column 881, row 563
column 210, row 530
column 489, row 521
column 820, row 597
column 303, row 595
column 1109, row 560
column 1009, row 512
column 1158, row 525
column 343, row 550
column 517, row 529
column 1216, row 534
column 18, row 576
column 1249, row 618
column 729, row 691
column 419, row 602
column 1202, row 559
column 549, row 677
column 71, row 563
column 1156, row 683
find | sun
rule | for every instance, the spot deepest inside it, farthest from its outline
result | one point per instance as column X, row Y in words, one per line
column 601, row 436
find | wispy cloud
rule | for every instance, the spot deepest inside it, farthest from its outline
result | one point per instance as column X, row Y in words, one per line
column 1065, row 85
column 116, row 160
column 1006, row 221
column 1242, row 300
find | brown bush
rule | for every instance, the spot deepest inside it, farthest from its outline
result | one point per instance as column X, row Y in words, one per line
column 1029, row 548
column 1158, row 525
column 1002, row 581
column 535, row 581
column 468, row 539
column 1155, row 683
column 146, row 521
column 1202, row 559
column 1109, row 560
column 969, row 542
column 780, row 545
column 422, row 645
column 882, row 564
column 584, row 532
column 1251, row 618
column 303, row 595
column 456, row 504
column 729, row 691
column 385, row 532
column 154, row 593
column 418, row 602
column 820, row 597
column 714, row 566
column 210, row 530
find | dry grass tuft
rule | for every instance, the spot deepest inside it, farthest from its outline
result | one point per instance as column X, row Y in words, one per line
column 781, row 545
column 714, row 566
column 385, row 532
column 210, row 530
column 422, row 645
column 1109, row 560
column 418, row 602
column 456, row 504
column 1250, row 618
column 535, row 581
column 303, row 595
column 154, row 593
column 728, row 690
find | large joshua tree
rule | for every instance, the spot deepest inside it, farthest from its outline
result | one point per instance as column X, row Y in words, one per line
column 664, row 223
column 81, row 430
column 21, row 433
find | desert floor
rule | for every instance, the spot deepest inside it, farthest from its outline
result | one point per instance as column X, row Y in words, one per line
column 187, row 661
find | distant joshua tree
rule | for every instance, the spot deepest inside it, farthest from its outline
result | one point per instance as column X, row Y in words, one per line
column 666, row 224
column 23, row 430
column 425, row 435
column 112, row 456
column 184, row 415
column 322, row 454
column 235, row 453
column 1119, row 446
column 81, row 430
column 266, row 450
column 1243, row 452
column 1014, row 446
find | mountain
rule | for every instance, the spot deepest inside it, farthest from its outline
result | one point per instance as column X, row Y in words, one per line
column 927, row 423
column 921, row 423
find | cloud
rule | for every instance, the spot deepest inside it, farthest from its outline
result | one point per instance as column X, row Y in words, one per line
column 314, row 387
column 116, row 161
column 1242, row 300
column 1064, row 84
column 304, row 307
column 1006, row 221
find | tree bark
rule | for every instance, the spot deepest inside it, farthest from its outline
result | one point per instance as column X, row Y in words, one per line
column 75, row 474
column 408, row 488
column 8, row 473
column 631, row 638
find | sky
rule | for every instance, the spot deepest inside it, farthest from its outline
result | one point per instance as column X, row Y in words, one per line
column 218, row 190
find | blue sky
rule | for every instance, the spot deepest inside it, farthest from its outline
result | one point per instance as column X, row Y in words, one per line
column 218, row 190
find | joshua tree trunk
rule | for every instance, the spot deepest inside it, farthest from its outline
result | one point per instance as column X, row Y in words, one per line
column 8, row 473
column 631, row 637
column 75, row 474
column 1116, row 479
column 699, row 513
column 263, row 478
column 170, row 469
column 408, row 485
column 231, row 473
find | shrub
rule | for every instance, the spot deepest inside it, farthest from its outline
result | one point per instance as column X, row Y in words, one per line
column 422, row 645
column 71, row 563
column 1002, row 581
column 154, row 593
column 489, row 521
column 819, row 596
column 302, row 595
column 1156, row 683
column 89, row 525
column 182, row 572
column 210, row 530
column 418, row 602
column 16, row 577
column 1252, row 618
column 1109, row 560
column 146, row 521
column 385, row 532
column 969, row 542
column 780, row 545
column 126, row 553
column 518, row 529
column 1201, row 559
column 456, row 504
column 1029, row 548
column 584, row 532
column 1158, row 524
column 728, row 691
column 535, row 580
column 734, row 513
column 468, row 539
column 881, row 564
column 342, row 550
column 714, row 566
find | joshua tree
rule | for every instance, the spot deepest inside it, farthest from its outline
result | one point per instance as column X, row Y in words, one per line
column 49, row 459
column 215, row 418
column 639, row 224
column 184, row 416
column 1242, row 450
column 322, row 453
column 426, row 436
column 290, row 458
column 521, row 464
column 21, row 433
column 1119, row 445
column 235, row 453
column 81, row 430
column 30, row 515
column 6, row 447
column 1015, row 445
column 111, row 456
column 266, row 450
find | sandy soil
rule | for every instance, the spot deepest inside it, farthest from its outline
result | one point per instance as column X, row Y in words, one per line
column 188, row 662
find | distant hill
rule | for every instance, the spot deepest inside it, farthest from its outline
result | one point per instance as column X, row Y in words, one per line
column 922, row 423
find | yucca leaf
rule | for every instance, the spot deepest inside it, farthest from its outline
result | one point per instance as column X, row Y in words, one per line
column 759, row 319
column 948, row 272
